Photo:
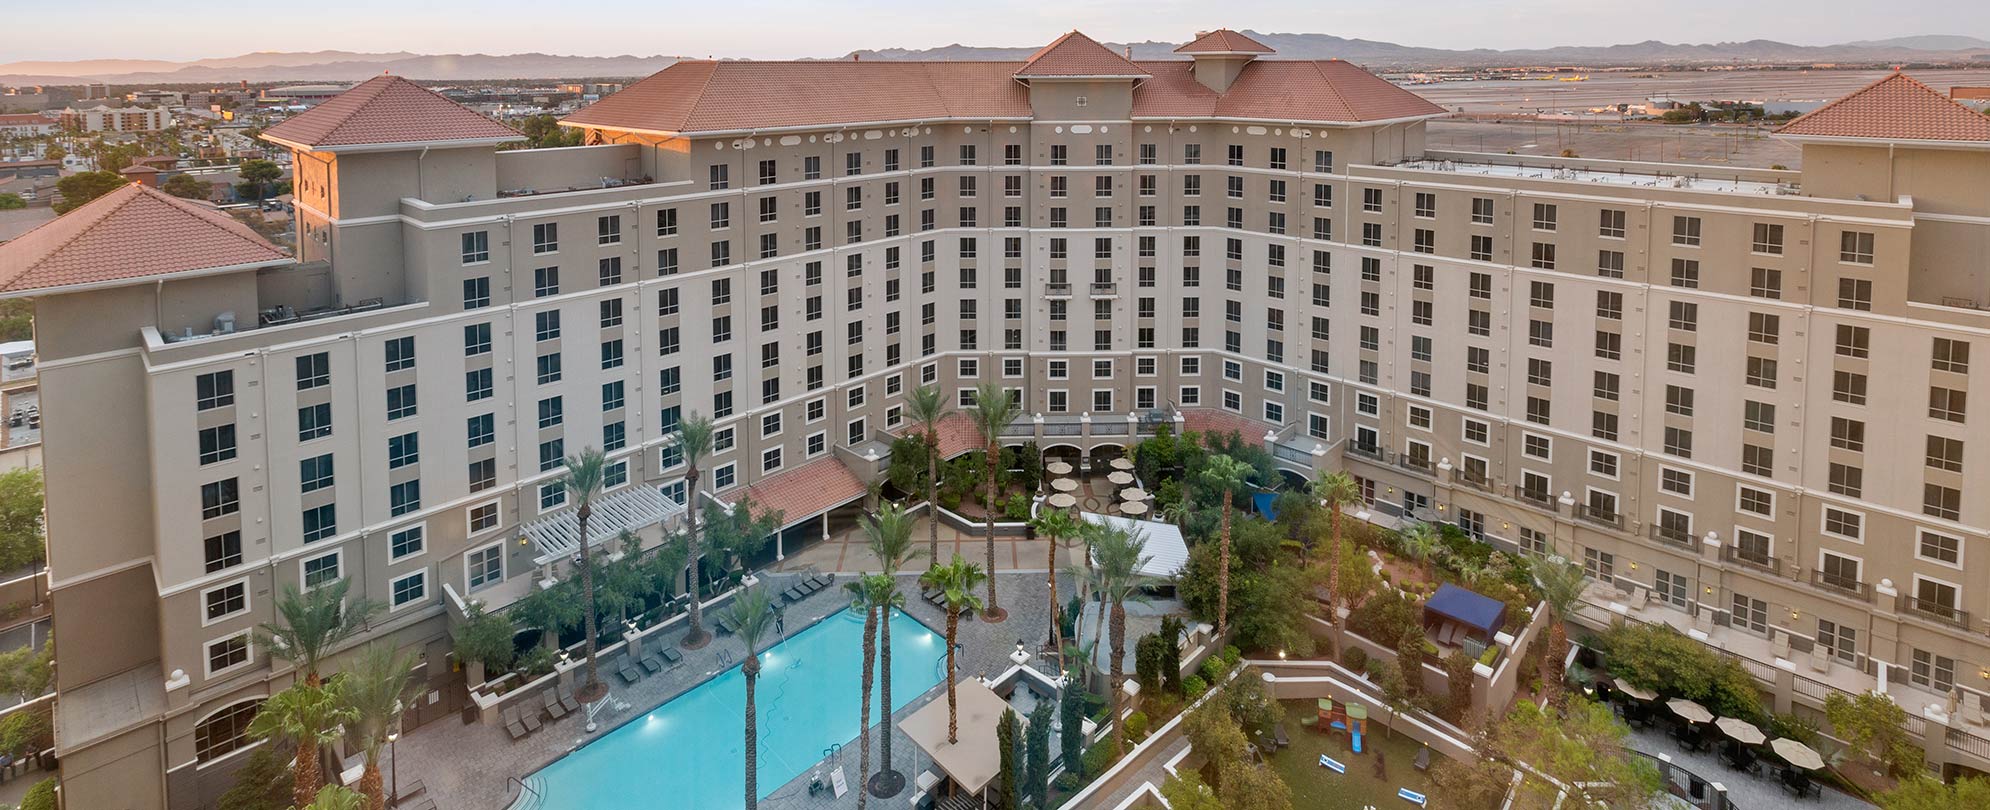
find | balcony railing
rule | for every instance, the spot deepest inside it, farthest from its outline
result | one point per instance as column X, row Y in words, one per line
column 1844, row 585
column 1534, row 497
column 1420, row 465
column 1600, row 516
column 1372, row 452
column 1671, row 534
column 1765, row 562
column 1104, row 289
column 1057, row 290
column 1460, row 475
column 1934, row 611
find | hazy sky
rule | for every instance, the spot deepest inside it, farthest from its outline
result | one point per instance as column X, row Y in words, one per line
column 81, row 29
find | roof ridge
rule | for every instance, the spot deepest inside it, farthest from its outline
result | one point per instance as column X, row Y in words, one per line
column 703, row 85
column 1331, row 88
column 1842, row 99
column 82, row 228
column 1943, row 105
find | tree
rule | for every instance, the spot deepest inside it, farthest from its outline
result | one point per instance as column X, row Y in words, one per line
column 1420, row 541
column 889, row 537
column 1875, row 727
column 311, row 623
column 1055, row 525
column 186, row 186
column 583, row 483
column 335, row 797
column 1005, row 778
column 377, row 685
column 263, row 782
column 1036, row 756
column 29, row 731
column 1583, row 749
column 1071, row 742
column 1185, row 791
column 21, row 539
column 1561, row 583
column 994, row 409
column 1338, row 489
column 752, row 616
column 1391, row 678
column 10, row 201
column 956, row 582
column 40, row 795
column 80, row 188
column 544, row 132
column 485, row 638
column 870, row 593
column 927, row 406
column 258, row 174
column 25, row 672
column 1172, row 630
column 694, row 440
column 1121, row 555
column 1224, row 474
column 1924, row 793
column 309, row 716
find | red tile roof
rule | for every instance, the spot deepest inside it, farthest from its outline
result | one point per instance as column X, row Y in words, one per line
column 1894, row 108
column 707, row 97
column 1076, row 55
column 1218, row 421
column 1224, row 40
column 958, row 434
column 387, row 110
column 132, row 233
column 807, row 491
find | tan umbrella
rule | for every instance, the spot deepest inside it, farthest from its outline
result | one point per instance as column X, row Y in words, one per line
column 1689, row 711
column 1061, row 500
column 1122, row 463
column 1120, row 479
column 1796, row 754
column 1064, row 485
column 1057, row 468
column 1134, row 508
column 1740, row 731
column 1640, row 694
column 1133, row 494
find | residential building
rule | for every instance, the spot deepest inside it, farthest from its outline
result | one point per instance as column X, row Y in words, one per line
column 1215, row 242
column 27, row 125
column 116, row 119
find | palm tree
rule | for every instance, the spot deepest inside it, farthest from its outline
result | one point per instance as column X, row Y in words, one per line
column 583, row 483
column 309, row 715
column 752, row 616
column 1337, row 489
column 1121, row 555
column 889, row 536
column 376, row 686
column 1561, row 583
column 927, row 406
column 335, row 797
column 994, row 409
column 310, row 623
column 956, row 582
column 694, row 440
column 870, row 593
column 1054, row 525
column 1225, row 474
column 1420, row 541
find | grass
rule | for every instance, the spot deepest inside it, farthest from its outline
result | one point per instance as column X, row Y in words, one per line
column 1360, row 787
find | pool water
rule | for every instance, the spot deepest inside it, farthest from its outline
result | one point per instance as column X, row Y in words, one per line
column 688, row 752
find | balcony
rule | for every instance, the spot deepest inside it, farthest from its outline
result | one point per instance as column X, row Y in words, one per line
column 1671, row 534
column 1762, row 562
column 1421, row 465
column 1538, row 498
column 1370, row 452
column 1105, row 289
column 1844, row 585
column 1057, row 289
column 1934, row 611
column 1597, row 515
column 1478, row 481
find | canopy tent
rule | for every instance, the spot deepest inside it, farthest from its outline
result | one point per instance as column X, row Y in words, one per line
column 1262, row 501
column 1064, row 485
column 1480, row 615
column 1061, row 500
column 1689, row 711
column 1796, row 754
column 1121, row 463
column 1133, row 494
column 1057, row 468
column 1164, row 554
column 1133, row 508
column 973, row 762
column 1635, row 691
column 1740, row 731
column 1120, row 478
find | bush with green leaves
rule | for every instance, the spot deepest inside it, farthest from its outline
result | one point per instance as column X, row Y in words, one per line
column 1665, row 660
column 1194, row 686
column 264, row 781
column 1150, row 658
column 1874, row 726
column 486, row 638
column 41, row 796
column 1387, row 618
column 1354, row 658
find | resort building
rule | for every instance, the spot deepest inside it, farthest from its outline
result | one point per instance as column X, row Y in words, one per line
column 116, row 119
column 1226, row 241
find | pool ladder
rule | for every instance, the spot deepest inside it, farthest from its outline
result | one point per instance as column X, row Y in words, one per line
column 831, row 750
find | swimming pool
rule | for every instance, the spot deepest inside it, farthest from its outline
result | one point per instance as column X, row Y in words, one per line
column 688, row 752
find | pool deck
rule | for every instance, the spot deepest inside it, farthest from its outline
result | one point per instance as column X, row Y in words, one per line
column 465, row 767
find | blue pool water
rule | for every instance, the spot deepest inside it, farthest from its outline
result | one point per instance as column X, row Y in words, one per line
column 687, row 752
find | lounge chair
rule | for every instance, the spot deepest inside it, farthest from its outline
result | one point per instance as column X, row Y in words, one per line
column 627, row 669
column 552, row 702
column 567, row 699
column 1278, row 736
column 1422, row 762
column 512, row 724
column 425, row 804
column 792, row 594
column 414, row 789
column 672, row 656
column 531, row 720
column 653, row 664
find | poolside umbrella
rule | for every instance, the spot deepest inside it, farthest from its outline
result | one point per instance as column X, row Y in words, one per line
column 1057, row 468
column 1640, row 694
column 1122, row 463
column 1740, row 731
column 1689, row 711
column 1120, row 478
column 1064, row 485
column 1061, row 500
column 1133, row 494
column 1796, row 754
column 1133, row 508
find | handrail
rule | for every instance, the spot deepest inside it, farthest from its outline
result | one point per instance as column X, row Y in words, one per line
column 522, row 788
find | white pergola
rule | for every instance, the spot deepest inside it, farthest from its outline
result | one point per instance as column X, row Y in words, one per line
column 557, row 537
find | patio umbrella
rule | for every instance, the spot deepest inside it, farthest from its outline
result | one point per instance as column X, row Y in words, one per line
column 1133, row 494
column 1133, row 508
column 1120, row 478
column 1640, row 694
column 1689, row 711
column 1061, row 500
column 1796, row 754
column 1740, row 731
column 1057, row 468
column 1064, row 485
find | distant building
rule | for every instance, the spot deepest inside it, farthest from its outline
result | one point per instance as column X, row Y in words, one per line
column 121, row 119
column 17, row 169
column 306, row 95
column 141, row 173
column 163, row 98
column 26, row 125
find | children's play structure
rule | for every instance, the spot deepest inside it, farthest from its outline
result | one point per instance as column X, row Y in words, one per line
column 1350, row 719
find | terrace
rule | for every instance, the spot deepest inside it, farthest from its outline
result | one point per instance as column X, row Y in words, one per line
column 1649, row 175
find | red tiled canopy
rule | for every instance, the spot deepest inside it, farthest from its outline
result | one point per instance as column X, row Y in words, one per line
column 387, row 110
column 131, row 233
column 958, row 434
column 1215, row 421
column 1224, row 40
column 1076, row 55
column 1894, row 108
column 808, row 490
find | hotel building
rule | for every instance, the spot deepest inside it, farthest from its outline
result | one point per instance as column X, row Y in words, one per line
column 1225, row 241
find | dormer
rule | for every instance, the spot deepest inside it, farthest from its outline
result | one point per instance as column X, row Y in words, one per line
column 1220, row 56
column 1075, row 77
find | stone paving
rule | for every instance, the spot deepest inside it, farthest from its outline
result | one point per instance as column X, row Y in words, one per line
column 1745, row 791
column 467, row 767
column 846, row 551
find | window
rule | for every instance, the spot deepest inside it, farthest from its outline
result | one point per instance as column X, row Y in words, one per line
column 484, row 566
column 1947, row 403
column 401, row 401
column 315, row 473
column 320, row 522
column 1945, row 453
column 476, row 293
column 1686, row 231
column 1940, row 548
column 217, row 444
column 1855, row 247
column 1951, row 355
column 1755, row 501
column 1942, row 502
column 400, row 353
column 1838, row 640
column 1933, row 671
column 1765, row 283
column 408, row 590
column 545, row 237
column 223, row 655
column 219, row 498
column 1843, row 523
column 222, row 551
column 404, row 497
column 1545, row 216
column 222, row 602
column 1611, row 225
column 481, row 430
column 1855, row 293
column 1768, row 238
column 214, row 390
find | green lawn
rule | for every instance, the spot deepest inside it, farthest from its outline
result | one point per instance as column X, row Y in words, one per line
column 1317, row 788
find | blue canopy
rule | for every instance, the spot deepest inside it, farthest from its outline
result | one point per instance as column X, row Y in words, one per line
column 1262, row 502
column 1482, row 613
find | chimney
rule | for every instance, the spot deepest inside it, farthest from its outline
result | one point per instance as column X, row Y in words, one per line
column 1129, row 53
column 856, row 57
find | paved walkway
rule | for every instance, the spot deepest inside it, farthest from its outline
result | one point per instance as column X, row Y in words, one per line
column 847, row 551
column 1745, row 791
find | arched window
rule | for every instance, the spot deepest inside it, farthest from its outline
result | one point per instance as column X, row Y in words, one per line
column 225, row 731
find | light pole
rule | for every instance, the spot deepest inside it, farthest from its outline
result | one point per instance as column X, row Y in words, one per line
column 393, row 770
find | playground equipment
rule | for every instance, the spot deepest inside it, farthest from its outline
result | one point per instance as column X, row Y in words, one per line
column 1356, row 724
column 1347, row 718
column 1411, row 796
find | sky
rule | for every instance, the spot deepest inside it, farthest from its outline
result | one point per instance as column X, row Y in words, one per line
column 768, row 29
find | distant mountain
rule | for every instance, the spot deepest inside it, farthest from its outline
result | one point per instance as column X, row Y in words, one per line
column 332, row 66
column 1927, row 42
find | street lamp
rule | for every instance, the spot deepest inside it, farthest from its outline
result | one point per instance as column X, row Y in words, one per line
column 394, row 770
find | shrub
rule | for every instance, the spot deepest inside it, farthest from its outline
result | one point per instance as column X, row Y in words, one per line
column 1354, row 658
column 41, row 796
column 1098, row 758
column 1150, row 661
column 1069, row 781
column 1212, row 669
column 1231, row 655
column 1136, row 727
column 1387, row 618
column 1193, row 686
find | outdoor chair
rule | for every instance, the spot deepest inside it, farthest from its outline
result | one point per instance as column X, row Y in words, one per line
column 653, row 664
column 672, row 656
column 512, row 724
column 425, row 804
column 627, row 669
column 530, row 719
column 567, row 699
column 414, row 789
column 1422, row 762
column 792, row 594
column 552, row 703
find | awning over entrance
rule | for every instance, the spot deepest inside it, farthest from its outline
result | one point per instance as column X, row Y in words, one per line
column 957, row 434
column 804, row 492
column 558, row 536
column 1165, row 552
column 973, row 762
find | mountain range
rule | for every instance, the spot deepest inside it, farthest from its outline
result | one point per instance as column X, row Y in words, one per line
column 282, row 66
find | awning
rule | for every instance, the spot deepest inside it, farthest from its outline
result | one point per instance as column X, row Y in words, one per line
column 557, row 537
column 958, row 434
column 973, row 762
column 1263, row 501
column 1165, row 552
column 1482, row 613
column 804, row 492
